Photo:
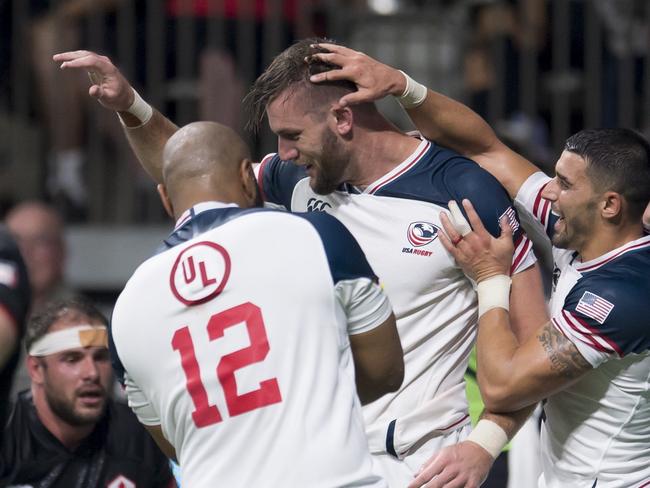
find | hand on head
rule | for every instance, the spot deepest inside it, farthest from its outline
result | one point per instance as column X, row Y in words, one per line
column 479, row 254
column 109, row 86
column 374, row 80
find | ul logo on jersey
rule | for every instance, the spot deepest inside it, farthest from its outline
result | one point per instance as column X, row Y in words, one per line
column 315, row 205
column 121, row 482
column 199, row 273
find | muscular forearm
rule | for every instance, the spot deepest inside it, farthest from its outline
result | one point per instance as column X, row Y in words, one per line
column 505, row 380
column 456, row 126
column 453, row 125
column 509, row 422
column 148, row 141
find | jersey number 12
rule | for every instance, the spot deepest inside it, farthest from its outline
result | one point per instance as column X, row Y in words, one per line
column 268, row 393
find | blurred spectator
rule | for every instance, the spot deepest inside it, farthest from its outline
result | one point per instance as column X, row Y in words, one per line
column 63, row 96
column 38, row 230
column 522, row 26
column 67, row 431
column 627, row 37
column 14, row 305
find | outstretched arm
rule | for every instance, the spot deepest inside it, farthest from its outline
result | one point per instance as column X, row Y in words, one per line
column 146, row 137
column 438, row 117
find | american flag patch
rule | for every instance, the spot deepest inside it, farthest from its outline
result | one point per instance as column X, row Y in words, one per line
column 594, row 306
column 512, row 219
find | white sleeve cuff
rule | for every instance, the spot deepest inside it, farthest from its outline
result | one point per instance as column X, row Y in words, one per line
column 139, row 403
column 365, row 303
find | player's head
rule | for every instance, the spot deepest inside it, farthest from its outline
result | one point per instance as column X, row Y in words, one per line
column 206, row 161
column 69, row 363
column 38, row 230
column 312, row 129
column 602, row 177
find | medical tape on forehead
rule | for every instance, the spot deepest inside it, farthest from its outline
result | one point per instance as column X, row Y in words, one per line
column 70, row 338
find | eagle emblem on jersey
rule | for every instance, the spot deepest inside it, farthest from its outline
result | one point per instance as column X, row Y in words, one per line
column 199, row 273
column 421, row 233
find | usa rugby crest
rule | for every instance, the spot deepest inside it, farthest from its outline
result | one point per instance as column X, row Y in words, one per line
column 421, row 233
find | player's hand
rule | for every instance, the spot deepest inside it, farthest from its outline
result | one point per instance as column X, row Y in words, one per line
column 108, row 86
column 479, row 254
column 463, row 465
column 374, row 80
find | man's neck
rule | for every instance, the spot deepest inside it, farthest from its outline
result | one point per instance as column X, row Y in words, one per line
column 608, row 239
column 377, row 152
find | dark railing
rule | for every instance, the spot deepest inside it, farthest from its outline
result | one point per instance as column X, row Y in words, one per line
column 537, row 69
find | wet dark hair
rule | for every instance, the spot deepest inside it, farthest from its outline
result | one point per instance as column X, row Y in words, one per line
column 617, row 160
column 292, row 69
column 40, row 322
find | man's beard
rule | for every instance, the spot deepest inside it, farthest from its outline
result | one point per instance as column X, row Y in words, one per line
column 66, row 412
column 333, row 162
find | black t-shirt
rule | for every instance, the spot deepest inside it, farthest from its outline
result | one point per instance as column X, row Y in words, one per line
column 118, row 454
column 14, row 300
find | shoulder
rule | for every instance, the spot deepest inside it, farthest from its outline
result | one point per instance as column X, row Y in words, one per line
column 277, row 179
column 345, row 257
column 440, row 174
column 613, row 303
column 15, row 293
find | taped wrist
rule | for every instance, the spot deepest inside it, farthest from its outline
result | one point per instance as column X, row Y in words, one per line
column 414, row 93
column 489, row 436
column 139, row 109
column 493, row 292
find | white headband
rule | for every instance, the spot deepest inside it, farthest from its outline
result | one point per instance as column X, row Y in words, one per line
column 70, row 338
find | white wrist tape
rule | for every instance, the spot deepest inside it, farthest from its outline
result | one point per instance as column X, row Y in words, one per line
column 489, row 436
column 139, row 109
column 414, row 93
column 493, row 293
column 70, row 338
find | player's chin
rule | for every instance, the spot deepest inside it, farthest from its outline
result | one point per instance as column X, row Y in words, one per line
column 90, row 407
column 321, row 187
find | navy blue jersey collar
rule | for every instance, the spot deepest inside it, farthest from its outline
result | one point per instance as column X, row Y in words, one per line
column 190, row 213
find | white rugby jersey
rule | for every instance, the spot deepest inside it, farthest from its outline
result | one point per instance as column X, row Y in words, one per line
column 396, row 221
column 597, row 431
column 237, row 338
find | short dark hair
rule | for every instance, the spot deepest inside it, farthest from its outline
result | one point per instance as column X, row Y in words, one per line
column 40, row 322
column 293, row 66
column 617, row 160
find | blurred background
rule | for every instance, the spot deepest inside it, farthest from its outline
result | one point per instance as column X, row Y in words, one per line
column 538, row 70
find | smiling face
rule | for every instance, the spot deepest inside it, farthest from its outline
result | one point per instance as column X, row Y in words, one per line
column 76, row 382
column 574, row 200
column 308, row 138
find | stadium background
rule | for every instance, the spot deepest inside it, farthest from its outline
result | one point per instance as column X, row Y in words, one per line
column 538, row 70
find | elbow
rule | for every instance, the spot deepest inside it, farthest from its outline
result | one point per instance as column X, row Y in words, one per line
column 380, row 383
column 391, row 379
column 395, row 378
column 498, row 397
column 496, row 401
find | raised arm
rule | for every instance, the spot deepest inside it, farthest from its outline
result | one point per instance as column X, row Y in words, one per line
column 147, row 131
column 438, row 118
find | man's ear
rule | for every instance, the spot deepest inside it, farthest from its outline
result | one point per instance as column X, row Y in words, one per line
column 343, row 119
column 35, row 369
column 164, row 198
column 612, row 205
column 248, row 182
